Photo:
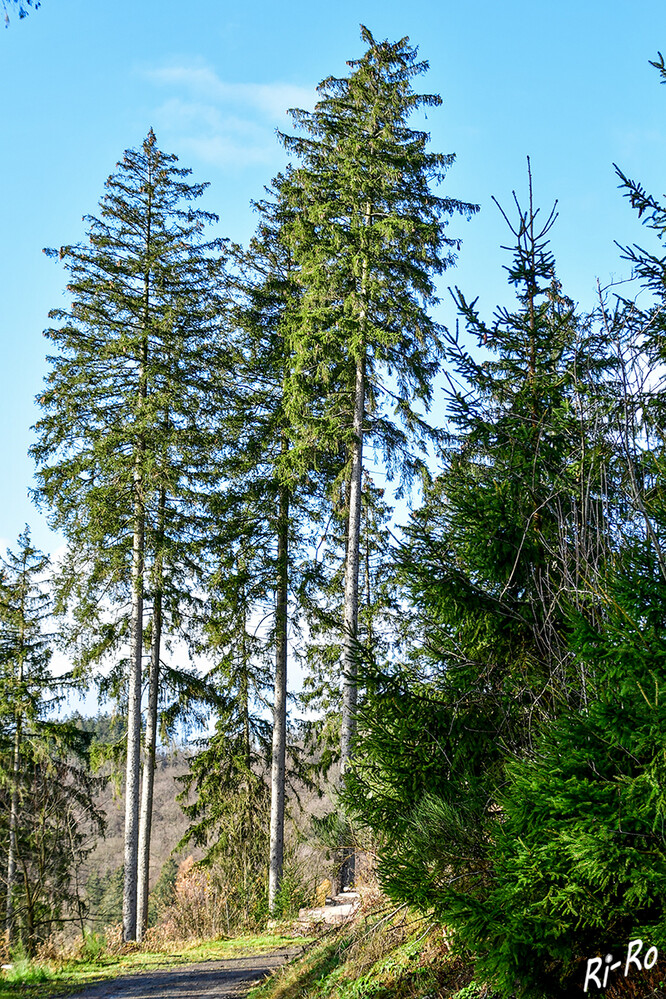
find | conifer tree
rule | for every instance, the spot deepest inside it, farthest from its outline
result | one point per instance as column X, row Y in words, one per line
column 267, row 295
column 140, row 362
column 510, row 538
column 24, row 658
column 579, row 859
column 230, row 814
column 45, row 780
column 367, row 237
column 277, row 501
column 640, row 331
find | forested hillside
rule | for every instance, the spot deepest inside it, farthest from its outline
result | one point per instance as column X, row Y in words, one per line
column 227, row 438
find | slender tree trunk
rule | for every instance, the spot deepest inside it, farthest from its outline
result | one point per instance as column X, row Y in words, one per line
column 134, row 687
column 16, row 774
column 13, row 827
column 244, row 693
column 280, row 702
column 350, row 625
column 134, row 722
column 146, row 815
column 350, row 622
column 368, row 591
column 29, row 917
column 246, row 816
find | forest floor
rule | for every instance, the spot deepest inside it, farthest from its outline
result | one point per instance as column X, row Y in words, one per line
column 218, row 969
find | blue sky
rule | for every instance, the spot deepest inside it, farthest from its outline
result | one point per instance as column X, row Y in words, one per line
column 567, row 83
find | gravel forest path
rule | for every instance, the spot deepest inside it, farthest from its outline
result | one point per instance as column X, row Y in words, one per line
column 228, row 979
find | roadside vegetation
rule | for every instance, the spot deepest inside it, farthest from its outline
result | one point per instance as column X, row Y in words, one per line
column 91, row 959
column 387, row 952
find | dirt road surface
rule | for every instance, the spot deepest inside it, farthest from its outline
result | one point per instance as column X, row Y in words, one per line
column 227, row 979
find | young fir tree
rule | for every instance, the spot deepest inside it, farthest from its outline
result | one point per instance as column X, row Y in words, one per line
column 367, row 237
column 126, row 444
column 640, row 417
column 579, row 859
column 230, row 816
column 44, row 774
column 24, row 658
column 511, row 534
column 575, row 868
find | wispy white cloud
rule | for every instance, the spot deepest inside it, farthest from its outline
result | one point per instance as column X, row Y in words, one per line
column 224, row 123
column 272, row 99
column 213, row 136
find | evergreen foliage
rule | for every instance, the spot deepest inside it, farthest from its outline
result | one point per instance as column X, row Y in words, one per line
column 105, row 898
column 203, row 447
column 272, row 503
column 22, row 7
column 579, row 859
column 367, row 235
column 48, row 792
column 138, row 378
column 230, row 771
column 513, row 533
column 163, row 894
column 230, row 814
column 379, row 624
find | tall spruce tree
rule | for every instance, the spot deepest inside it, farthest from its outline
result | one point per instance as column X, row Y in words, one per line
column 367, row 237
column 276, row 499
column 267, row 295
column 125, row 445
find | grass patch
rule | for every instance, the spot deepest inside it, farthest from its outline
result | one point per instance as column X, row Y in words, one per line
column 392, row 957
column 44, row 979
column 26, row 972
column 307, row 975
